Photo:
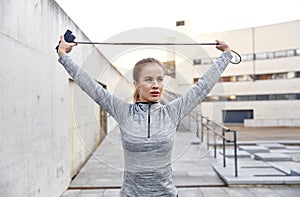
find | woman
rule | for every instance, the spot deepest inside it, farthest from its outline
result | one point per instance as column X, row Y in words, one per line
column 147, row 127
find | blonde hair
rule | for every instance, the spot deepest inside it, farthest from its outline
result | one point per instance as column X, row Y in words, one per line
column 137, row 70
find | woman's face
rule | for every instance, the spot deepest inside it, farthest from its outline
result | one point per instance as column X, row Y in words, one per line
column 150, row 84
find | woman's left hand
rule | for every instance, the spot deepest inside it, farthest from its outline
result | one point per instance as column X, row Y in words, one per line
column 222, row 46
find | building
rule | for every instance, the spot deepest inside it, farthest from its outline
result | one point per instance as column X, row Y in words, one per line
column 264, row 89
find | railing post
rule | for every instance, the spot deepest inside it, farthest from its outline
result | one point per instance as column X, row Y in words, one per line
column 197, row 126
column 207, row 133
column 235, row 153
column 215, row 140
column 201, row 129
column 224, row 149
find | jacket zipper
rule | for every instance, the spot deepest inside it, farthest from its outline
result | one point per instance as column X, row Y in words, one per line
column 149, row 120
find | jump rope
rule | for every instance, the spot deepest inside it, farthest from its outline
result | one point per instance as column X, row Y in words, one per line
column 69, row 37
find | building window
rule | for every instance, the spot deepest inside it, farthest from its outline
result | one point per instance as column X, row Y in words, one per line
column 257, row 56
column 261, row 97
column 261, row 56
column 247, row 57
column 228, row 79
column 169, row 68
column 279, row 76
column 279, row 54
column 263, row 77
column 290, row 53
column 197, row 61
column 202, row 61
column 207, row 61
column 270, row 55
column 179, row 23
column 243, row 78
column 267, row 76
column 236, row 116
column 291, row 75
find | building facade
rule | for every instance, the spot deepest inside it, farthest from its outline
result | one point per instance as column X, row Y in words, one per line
column 264, row 89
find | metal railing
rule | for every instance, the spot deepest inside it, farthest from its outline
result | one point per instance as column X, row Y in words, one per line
column 213, row 128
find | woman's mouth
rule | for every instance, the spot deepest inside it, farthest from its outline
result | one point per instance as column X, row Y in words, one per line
column 154, row 93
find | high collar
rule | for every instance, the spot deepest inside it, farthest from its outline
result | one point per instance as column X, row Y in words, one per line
column 145, row 105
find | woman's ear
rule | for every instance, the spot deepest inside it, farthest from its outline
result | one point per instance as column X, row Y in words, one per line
column 135, row 83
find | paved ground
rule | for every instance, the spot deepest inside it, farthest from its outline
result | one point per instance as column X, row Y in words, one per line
column 267, row 133
column 196, row 171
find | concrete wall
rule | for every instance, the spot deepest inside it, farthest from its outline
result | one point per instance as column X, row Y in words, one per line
column 37, row 136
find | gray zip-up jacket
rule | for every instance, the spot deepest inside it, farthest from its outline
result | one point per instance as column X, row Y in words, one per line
column 147, row 129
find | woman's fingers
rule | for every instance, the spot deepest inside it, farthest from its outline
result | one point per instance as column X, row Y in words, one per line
column 222, row 46
column 65, row 47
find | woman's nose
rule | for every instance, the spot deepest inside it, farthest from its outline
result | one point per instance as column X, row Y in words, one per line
column 154, row 84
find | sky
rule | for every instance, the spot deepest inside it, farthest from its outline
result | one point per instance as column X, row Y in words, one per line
column 100, row 20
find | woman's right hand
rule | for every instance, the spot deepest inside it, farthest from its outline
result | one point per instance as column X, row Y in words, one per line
column 65, row 47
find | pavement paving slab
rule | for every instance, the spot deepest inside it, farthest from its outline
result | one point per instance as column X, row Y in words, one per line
column 293, row 148
column 254, row 149
column 272, row 145
column 240, row 153
column 285, row 166
column 272, row 157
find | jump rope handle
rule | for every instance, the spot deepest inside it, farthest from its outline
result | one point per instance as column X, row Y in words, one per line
column 69, row 37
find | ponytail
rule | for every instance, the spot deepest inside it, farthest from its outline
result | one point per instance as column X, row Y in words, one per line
column 136, row 96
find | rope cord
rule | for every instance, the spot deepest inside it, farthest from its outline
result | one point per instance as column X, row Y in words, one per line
column 160, row 44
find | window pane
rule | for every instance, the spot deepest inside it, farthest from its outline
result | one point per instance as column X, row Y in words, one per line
column 279, row 76
column 291, row 75
column 290, row 53
column 179, row 23
column 262, row 97
column 260, row 56
column 206, row 61
column 270, row 55
column 169, row 68
column 250, row 57
column 228, row 79
column 243, row 78
column 197, row 61
column 280, row 54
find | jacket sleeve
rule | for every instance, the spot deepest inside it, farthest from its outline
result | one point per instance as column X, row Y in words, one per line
column 181, row 106
column 111, row 104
